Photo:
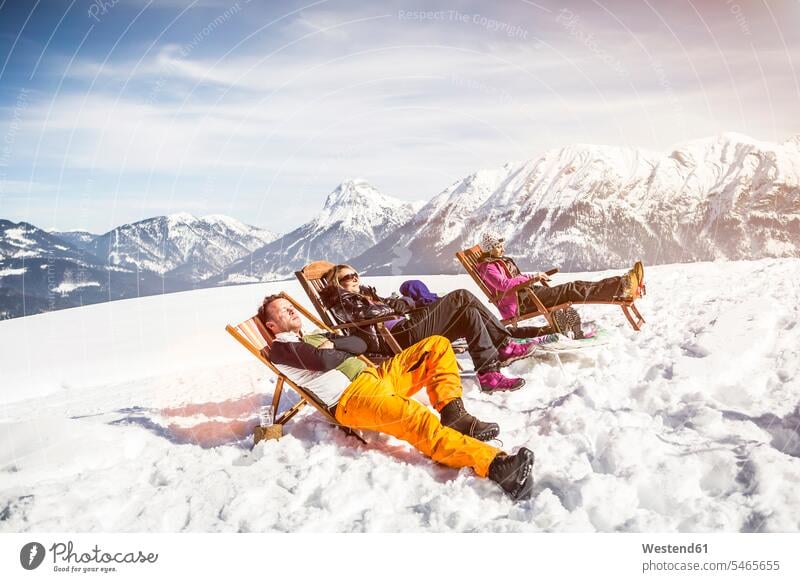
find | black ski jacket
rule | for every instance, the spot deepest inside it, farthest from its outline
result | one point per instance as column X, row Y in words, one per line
column 307, row 357
column 349, row 307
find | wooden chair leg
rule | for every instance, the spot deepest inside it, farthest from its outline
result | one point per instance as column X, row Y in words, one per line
column 389, row 338
column 641, row 320
column 287, row 416
column 350, row 432
column 544, row 311
column 627, row 313
column 276, row 397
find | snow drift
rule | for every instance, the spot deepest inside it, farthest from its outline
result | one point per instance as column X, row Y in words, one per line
column 135, row 416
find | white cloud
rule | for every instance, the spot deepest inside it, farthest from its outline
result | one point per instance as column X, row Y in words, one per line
column 411, row 106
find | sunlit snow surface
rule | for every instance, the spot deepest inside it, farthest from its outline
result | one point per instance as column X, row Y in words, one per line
column 134, row 416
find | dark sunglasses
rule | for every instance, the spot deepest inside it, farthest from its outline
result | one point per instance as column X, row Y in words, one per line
column 349, row 277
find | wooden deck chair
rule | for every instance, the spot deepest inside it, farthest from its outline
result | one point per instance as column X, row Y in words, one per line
column 258, row 339
column 470, row 257
column 312, row 280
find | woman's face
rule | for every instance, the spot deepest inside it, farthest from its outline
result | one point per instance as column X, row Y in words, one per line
column 349, row 280
column 498, row 250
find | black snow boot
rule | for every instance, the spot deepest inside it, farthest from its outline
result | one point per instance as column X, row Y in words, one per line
column 514, row 473
column 456, row 417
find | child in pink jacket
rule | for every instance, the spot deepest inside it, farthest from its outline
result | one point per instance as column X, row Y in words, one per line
column 501, row 276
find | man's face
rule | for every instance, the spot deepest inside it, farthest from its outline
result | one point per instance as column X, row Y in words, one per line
column 283, row 317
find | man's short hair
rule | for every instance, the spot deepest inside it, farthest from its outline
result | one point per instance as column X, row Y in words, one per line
column 263, row 316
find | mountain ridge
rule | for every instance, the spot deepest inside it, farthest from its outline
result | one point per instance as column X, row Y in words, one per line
column 354, row 215
column 580, row 207
column 588, row 207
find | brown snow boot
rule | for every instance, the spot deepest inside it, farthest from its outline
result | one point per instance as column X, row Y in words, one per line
column 456, row 417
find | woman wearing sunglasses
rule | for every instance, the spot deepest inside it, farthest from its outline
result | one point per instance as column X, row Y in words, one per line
column 458, row 314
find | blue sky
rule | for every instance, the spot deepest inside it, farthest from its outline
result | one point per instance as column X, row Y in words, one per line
column 114, row 111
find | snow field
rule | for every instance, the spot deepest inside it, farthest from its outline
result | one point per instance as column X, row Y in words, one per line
column 138, row 419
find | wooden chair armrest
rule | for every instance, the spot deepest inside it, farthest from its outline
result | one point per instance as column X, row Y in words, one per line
column 533, row 281
column 520, row 287
column 549, row 273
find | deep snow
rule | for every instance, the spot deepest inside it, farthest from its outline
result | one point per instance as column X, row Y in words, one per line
column 135, row 416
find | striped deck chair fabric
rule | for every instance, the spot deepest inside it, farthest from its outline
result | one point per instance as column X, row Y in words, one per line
column 252, row 334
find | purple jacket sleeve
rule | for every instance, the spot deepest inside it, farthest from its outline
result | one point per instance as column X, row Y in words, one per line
column 497, row 280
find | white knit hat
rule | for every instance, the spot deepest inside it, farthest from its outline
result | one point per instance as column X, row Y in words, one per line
column 489, row 241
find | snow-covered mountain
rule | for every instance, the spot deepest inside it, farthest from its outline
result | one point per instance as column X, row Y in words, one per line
column 80, row 239
column 355, row 216
column 579, row 207
column 21, row 240
column 40, row 272
column 592, row 207
column 45, row 271
column 180, row 245
column 435, row 230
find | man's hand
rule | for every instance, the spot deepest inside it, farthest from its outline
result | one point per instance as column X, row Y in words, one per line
column 326, row 345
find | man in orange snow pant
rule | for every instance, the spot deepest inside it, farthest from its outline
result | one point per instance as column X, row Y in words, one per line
column 380, row 399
